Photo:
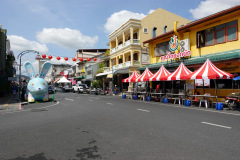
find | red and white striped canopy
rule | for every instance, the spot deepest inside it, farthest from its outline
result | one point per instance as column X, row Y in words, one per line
column 131, row 78
column 209, row 71
column 180, row 74
column 160, row 75
column 145, row 76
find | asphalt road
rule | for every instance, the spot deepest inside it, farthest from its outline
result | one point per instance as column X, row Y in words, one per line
column 81, row 127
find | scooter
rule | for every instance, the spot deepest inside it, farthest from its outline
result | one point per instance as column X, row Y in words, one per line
column 232, row 101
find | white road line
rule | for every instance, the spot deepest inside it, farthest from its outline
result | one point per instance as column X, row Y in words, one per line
column 90, row 100
column 143, row 110
column 110, row 103
column 212, row 124
column 69, row 99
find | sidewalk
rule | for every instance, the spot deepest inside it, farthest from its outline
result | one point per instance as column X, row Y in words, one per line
column 9, row 103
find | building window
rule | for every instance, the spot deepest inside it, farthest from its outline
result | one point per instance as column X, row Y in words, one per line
column 145, row 30
column 219, row 34
column 161, row 49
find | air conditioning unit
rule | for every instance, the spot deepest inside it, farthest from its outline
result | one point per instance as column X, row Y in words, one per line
column 184, row 45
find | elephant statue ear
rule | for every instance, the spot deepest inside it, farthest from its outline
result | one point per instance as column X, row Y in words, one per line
column 45, row 68
column 29, row 69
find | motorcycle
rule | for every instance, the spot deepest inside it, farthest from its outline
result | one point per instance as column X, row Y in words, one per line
column 99, row 91
column 233, row 101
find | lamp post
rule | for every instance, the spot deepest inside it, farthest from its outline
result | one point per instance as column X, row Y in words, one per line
column 20, row 56
column 112, row 76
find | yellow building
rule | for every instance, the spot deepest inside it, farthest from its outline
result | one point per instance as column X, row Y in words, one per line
column 215, row 37
column 127, row 50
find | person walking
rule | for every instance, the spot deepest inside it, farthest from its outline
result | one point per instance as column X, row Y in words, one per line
column 14, row 90
column 115, row 90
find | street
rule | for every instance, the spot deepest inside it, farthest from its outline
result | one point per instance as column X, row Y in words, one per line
column 83, row 126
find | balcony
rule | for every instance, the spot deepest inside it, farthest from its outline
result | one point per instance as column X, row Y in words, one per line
column 113, row 50
column 120, row 46
column 127, row 64
column 126, row 44
column 106, row 69
column 120, row 65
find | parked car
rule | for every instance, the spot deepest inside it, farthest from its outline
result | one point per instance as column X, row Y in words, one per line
column 81, row 88
column 51, row 89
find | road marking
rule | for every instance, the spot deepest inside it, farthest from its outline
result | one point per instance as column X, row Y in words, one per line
column 69, row 99
column 90, row 100
column 110, row 104
column 143, row 110
column 212, row 124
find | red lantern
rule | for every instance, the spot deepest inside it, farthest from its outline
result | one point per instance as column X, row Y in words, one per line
column 74, row 59
column 81, row 59
column 95, row 59
column 50, row 57
column 58, row 58
column 44, row 56
column 88, row 59
column 66, row 58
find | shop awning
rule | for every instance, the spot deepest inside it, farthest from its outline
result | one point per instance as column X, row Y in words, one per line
column 110, row 75
column 79, row 77
column 105, row 73
column 220, row 56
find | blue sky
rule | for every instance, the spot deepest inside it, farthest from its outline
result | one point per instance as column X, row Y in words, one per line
column 60, row 27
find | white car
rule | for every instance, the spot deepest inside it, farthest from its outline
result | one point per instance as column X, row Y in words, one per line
column 80, row 88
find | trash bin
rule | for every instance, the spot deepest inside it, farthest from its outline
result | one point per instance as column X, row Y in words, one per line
column 124, row 96
column 148, row 98
column 165, row 100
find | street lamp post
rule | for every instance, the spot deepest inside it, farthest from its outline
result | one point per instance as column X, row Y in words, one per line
column 20, row 56
column 112, row 77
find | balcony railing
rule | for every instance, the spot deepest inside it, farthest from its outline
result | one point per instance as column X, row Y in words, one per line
column 120, row 65
column 127, row 64
column 136, row 62
column 106, row 69
column 120, row 46
column 136, row 41
column 113, row 50
column 127, row 43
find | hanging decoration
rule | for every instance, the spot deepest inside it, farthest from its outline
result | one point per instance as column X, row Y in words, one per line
column 50, row 57
column 44, row 56
column 82, row 59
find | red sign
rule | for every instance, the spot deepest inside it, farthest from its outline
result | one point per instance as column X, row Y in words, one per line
column 61, row 73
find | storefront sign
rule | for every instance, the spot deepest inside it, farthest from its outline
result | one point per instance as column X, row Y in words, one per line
column 145, row 58
column 176, row 55
column 173, row 44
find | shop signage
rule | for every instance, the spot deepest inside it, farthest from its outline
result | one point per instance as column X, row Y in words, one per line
column 173, row 44
column 176, row 55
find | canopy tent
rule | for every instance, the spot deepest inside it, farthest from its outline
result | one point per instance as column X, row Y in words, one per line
column 64, row 80
column 209, row 71
column 145, row 76
column 180, row 74
column 131, row 78
column 160, row 75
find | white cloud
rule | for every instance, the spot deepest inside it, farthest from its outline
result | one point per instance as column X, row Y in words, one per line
column 67, row 38
column 151, row 10
column 19, row 44
column 209, row 7
column 119, row 18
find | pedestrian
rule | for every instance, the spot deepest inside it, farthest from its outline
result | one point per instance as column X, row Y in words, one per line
column 14, row 90
column 115, row 89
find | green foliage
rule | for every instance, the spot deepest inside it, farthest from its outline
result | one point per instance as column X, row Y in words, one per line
column 96, row 84
column 107, row 53
column 101, row 65
column 100, row 71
